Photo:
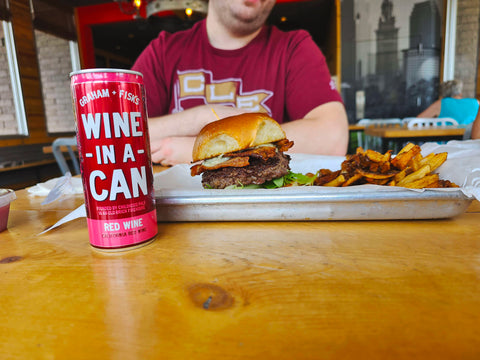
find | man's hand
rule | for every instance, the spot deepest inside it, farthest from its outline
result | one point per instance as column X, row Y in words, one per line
column 173, row 150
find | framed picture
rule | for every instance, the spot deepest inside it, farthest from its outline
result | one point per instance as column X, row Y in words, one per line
column 391, row 56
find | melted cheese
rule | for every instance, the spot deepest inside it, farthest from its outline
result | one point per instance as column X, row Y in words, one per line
column 215, row 161
column 268, row 144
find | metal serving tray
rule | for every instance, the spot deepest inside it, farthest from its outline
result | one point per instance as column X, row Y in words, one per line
column 179, row 197
column 306, row 206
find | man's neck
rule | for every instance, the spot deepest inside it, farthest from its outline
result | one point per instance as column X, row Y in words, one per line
column 221, row 38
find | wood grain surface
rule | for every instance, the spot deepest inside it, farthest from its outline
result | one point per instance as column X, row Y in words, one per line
column 266, row 290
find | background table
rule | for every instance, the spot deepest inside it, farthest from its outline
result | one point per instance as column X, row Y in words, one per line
column 266, row 290
column 401, row 135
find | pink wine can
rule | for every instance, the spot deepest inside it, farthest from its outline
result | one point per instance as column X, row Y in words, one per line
column 114, row 150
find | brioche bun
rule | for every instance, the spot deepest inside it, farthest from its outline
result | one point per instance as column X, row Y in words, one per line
column 236, row 133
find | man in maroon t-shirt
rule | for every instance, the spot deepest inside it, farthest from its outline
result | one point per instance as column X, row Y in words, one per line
column 229, row 64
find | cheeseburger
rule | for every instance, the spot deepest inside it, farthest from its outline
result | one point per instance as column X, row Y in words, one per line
column 241, row 150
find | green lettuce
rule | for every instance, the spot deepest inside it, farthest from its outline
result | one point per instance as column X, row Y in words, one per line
column 290, row 179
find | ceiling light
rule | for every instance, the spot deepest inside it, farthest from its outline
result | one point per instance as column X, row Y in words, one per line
column 157, row 6
column 129, row 7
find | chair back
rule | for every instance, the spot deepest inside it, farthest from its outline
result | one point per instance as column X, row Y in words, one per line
column 380, row 122
column 58, row 147
column 366, row 142
column 430, row 122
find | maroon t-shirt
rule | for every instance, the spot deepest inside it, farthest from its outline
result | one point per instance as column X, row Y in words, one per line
column 281, row 73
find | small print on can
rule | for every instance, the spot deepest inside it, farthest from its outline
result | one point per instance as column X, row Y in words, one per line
column 114, row 150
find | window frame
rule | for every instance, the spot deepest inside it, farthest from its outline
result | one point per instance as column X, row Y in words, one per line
column 19, row 105
column 450, row 33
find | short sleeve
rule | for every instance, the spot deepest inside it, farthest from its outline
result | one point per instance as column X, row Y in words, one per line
column 309, row 83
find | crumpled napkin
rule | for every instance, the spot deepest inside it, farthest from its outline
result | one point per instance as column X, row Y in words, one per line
column 463, row 163
column 75, row 214
column 53, row 189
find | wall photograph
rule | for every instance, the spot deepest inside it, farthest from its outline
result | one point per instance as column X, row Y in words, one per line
column 391, row 53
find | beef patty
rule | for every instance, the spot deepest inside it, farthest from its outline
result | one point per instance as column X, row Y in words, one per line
column 258, row 172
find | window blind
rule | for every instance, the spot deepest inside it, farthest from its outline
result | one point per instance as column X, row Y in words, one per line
column 52, row 17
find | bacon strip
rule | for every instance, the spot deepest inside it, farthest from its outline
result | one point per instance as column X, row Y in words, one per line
column 264, row 152
column 284, row 145
column 240, row 158
column 232, row 162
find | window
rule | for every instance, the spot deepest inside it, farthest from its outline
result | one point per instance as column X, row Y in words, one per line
column 57, row 57
column 12, row 111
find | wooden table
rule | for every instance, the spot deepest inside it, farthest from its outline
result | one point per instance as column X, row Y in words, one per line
column 356, row 127
column 266, row 290
column 400, row 135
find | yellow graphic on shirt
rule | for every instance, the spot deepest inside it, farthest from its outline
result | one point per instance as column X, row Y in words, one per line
column 221, row 92
column 200, row 85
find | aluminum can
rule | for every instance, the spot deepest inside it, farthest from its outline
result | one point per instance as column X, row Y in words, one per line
column 115, row 161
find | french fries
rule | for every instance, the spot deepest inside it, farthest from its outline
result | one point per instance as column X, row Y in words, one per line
column 427, row 181
column 416, row 175
column 405, row 155
column 407, row 169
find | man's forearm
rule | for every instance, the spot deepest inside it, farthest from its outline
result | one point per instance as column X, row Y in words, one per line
column 188, row 122
column 324, row 130
column 185, row 123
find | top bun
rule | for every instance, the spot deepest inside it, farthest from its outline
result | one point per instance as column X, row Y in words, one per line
column 236, row 133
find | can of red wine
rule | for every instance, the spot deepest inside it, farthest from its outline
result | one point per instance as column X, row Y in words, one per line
column 114, row 150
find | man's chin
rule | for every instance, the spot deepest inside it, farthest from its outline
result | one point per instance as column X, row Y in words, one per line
column 251, row 2
column 244, row 28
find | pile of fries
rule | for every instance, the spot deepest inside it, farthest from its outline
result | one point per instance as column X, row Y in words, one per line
column 407, row 169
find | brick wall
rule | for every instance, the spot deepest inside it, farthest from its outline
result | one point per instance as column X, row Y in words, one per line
column 466, row 52
column 8, row 124
column 55, row 67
